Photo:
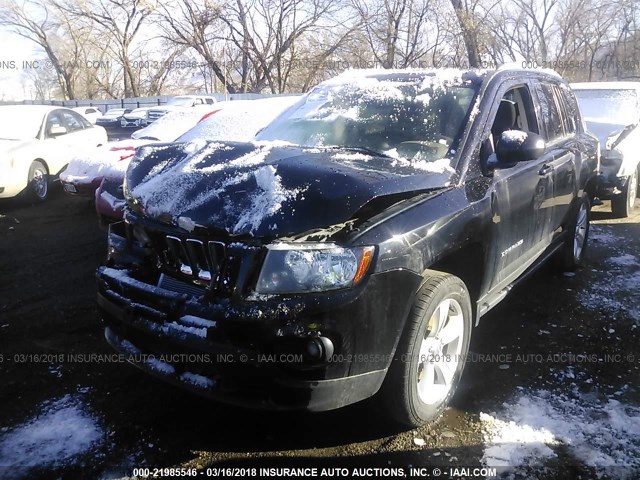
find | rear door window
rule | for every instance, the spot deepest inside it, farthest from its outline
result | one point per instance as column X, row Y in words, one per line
column 53, row 120
column 571, row 113
column 551, row 113
column 72, row 121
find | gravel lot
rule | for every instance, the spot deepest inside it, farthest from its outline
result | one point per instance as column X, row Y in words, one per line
column 551, row 390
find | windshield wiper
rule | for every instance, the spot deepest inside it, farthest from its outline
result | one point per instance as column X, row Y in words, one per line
column 361, row 150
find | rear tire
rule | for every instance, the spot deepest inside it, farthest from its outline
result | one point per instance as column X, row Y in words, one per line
column 38, row 181
column 573, row 253
column 432, row 352
column 623, row 203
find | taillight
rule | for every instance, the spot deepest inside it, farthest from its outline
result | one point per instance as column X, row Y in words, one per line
column 128, row 149
column 208, row 115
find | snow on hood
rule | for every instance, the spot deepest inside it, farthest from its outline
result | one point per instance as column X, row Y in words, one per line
column 267, row 189
column 109, row 161
column 606, row 132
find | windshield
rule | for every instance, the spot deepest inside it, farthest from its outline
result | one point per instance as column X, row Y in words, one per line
column 17, row 123
column 411, row 117
column 181, row 101
column 614, row 106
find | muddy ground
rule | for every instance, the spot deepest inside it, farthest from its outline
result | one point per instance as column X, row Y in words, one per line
column 117, row 418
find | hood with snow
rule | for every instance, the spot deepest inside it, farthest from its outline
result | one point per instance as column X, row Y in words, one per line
column 609, row 134
column 269, row 189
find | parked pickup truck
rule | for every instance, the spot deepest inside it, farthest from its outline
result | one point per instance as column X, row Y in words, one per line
column 352, row 246
column 179, row 103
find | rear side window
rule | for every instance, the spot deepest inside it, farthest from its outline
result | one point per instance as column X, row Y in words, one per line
column 551, row 113
column 73, row 121
column 570, row 108
column 53, row 120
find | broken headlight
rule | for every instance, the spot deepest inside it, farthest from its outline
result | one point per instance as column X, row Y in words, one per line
column 294, row 268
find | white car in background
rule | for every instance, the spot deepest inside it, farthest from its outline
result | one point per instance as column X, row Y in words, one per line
column 137, row 118
column 37, row 142
column 181, row 102
column 612, row 113
column 112, row 117
column 90, row 113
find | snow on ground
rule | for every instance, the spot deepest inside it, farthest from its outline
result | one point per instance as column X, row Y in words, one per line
column 620, row 275
column 598, row 432
column 59, row 433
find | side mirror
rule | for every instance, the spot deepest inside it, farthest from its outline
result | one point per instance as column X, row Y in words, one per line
column 517, row 146
column 57, row 130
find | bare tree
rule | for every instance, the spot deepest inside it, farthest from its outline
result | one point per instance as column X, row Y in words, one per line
column 118, row 20
column 395, row 30
column 38, row 22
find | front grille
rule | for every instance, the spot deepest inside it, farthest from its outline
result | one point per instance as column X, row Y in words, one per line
column 155, row 114
column 191, row 260
column 170, row 283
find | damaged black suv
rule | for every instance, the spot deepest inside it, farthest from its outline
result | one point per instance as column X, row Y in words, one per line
column 351, row 247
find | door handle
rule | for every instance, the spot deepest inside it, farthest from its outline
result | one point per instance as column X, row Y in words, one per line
column 545, row 170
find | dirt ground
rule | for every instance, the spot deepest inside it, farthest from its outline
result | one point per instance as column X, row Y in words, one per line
column 106, row 418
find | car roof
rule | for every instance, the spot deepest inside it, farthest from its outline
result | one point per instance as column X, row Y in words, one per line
column 605, row 85
column 41, row 109
column 445, row 74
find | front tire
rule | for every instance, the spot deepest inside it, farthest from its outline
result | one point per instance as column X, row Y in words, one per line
column 38, row 181
column 432, row 351
column 623, row 203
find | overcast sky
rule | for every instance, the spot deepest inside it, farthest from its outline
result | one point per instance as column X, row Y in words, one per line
column 18, row 49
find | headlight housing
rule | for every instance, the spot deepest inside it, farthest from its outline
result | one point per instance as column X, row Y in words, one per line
column 316, row 267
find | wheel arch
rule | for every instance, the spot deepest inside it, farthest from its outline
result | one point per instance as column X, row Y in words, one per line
column 43, row 162
column 466, row 263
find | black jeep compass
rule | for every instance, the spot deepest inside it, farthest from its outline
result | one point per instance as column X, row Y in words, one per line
column 352, row 246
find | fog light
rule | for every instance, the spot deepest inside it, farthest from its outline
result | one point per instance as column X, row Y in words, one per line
column 319, row 349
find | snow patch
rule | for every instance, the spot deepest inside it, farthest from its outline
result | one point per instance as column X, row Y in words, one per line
column 600, row 434
column 173, row 326
column 624, row 260
column 60, row 432
column 619, row 280
column 516, row 137
column 109, row 160
column 267, row 203
column 352, row 156
column 197, row 380
column 197, row 321
column 161, row 367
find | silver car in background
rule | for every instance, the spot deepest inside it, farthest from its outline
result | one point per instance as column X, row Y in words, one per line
column 612, row 113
